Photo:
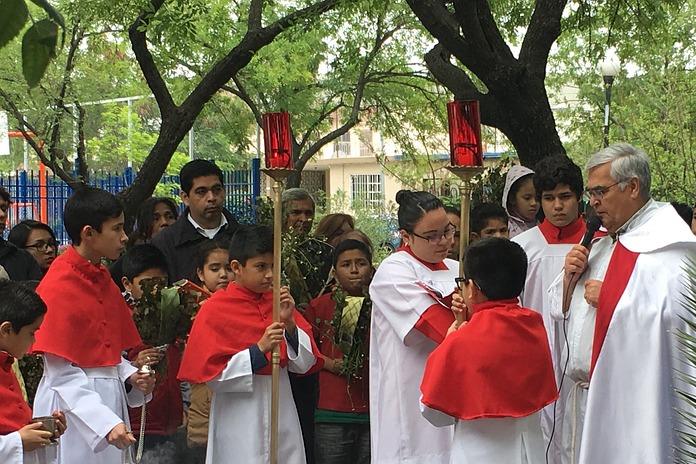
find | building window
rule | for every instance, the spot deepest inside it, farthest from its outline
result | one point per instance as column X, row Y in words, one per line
column 367, row 190
column 342, row 146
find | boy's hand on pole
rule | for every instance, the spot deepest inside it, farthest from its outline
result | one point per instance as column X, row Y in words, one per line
column 271, row 337
column 287, row 308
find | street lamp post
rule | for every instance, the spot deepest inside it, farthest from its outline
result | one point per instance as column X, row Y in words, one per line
column 609, row 68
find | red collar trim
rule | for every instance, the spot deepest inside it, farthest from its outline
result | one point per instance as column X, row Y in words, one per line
column 6, row 361
column 441, row 266
column 572, row 233
column 93, row 272
column 497, row 304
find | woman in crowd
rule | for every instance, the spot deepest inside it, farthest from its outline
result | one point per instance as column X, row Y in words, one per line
column 154, row 214
column 333, row 226
column 411, row 313
column 38, row 239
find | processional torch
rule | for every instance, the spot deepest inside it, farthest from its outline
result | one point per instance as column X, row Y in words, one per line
column 279, row 165
column 466, row 162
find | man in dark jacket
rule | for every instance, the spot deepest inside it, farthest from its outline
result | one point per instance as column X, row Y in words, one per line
column 17, row 263
column 205, row 218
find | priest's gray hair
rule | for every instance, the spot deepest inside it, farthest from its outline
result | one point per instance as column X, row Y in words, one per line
column 627, row 162
column 295, row 194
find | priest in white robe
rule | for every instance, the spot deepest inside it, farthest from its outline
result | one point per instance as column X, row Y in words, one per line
column 623, row 355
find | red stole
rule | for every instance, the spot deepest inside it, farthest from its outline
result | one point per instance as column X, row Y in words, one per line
column 441, row 266
column 618, row 274
column 497, row 365
column 88, row 322
column 572, row 233
column 15, row 412
column 229, row 322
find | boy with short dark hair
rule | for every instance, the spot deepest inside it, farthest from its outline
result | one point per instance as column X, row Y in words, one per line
column 488, row 220
column 230, row 346
column 165, row 411
column 87, row 327
column 21, row 314
column 341, row 320
column 493, row 374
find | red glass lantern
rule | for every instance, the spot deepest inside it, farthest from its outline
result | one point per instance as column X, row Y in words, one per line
column 465, row 133
column 277, row 142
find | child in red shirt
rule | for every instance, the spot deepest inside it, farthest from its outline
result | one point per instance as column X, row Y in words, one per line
column 342, row 433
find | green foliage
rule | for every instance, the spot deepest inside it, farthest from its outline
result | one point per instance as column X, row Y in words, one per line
column 39, row 42
column 686, row 374
column 653, row 103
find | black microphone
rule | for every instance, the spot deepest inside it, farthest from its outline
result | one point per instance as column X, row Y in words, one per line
column 593, row 223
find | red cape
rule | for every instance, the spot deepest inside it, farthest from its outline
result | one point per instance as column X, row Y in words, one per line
column 15, row 413
column 88, row 322
column 228, row 322
column 497, row 365
column 572, row 233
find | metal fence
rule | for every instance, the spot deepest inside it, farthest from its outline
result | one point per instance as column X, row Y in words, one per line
column 42, row 196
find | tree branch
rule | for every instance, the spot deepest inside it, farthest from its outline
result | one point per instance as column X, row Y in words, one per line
column 30, row 137
column 544, row 28
column 255, row 11
column 138, row 39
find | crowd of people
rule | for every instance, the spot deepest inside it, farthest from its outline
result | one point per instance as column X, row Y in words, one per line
column 558, row 344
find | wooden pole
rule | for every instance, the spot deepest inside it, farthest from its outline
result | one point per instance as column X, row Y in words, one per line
column 275, row 358
column 466, row 174
column 278, row 176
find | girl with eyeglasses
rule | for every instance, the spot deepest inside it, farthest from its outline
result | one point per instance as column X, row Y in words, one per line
column 38, row 239
column 411, row 313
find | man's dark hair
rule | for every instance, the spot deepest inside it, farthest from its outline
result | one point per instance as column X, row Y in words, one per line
column 498, row 266
column 249, row 242
column 141, row 258
column 351, row 244
column 485, row 211
column 89, row 206
column 19, row 305
column 554, row 170
column 20, row 233
column 683, row 210
column 5, row 195
column 197, row 168
column 413, row 206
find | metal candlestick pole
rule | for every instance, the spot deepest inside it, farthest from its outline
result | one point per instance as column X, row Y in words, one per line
column 278, row 176
column 466, row 174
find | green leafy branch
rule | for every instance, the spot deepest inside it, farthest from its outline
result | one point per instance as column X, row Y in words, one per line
column 39, row 42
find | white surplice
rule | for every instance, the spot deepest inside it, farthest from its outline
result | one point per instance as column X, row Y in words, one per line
column 398, row 351
column 544, row 262
column 505, row 440
column 627, row 411
column 239, row 429
column 94, row 401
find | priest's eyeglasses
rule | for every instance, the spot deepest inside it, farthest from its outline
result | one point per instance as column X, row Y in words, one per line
column 598, row 192
column 436, row 237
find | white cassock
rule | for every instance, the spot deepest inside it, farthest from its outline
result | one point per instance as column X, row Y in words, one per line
column 625, row 412
column 505, row 440
column 94, row 401
column 398, row 351
column 239, row 429
column 545, row 260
